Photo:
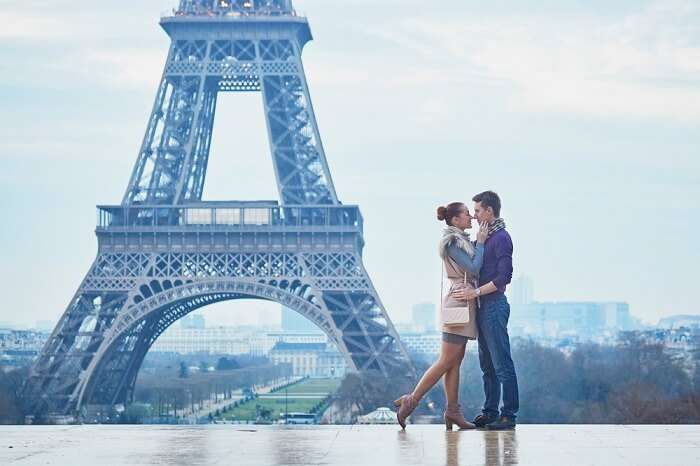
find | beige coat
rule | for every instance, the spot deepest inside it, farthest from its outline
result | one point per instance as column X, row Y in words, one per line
column 454, row 279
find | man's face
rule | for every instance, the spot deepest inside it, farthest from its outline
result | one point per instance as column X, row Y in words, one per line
column 483, row 214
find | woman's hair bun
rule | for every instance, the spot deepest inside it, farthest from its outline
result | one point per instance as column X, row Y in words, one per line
column 441, row 213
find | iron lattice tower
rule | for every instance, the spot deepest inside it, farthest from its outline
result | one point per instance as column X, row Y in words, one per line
column 164, row 252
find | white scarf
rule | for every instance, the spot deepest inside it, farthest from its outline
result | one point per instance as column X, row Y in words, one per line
column 457, row 237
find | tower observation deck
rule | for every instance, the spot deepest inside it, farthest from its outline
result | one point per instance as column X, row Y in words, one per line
column 235, row 8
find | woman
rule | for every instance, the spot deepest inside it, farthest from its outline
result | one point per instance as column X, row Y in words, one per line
column 462, row 261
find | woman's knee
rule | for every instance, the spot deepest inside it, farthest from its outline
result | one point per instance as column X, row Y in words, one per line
column 451, row 359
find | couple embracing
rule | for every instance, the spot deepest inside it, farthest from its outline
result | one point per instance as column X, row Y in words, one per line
column 474, row 307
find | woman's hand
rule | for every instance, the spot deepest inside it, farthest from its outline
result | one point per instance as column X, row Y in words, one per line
column 483, row 234
column 465, row 294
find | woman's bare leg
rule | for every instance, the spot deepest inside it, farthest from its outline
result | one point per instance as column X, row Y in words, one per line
column 449, row 354
column 451, row 380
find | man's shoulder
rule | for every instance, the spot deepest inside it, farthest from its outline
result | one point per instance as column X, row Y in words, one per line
column 501, row 235
column 502, row 238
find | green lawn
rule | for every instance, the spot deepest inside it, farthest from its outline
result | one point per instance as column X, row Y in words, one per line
column 327, row 386
column 247, row 412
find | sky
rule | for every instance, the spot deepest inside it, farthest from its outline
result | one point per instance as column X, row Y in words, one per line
column 583, row 115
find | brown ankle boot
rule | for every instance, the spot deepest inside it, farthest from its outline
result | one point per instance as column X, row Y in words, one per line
column 453, row 415
column 406, row 404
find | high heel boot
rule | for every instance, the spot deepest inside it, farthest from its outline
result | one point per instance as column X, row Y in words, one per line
column 453, row 415
column 406, row 404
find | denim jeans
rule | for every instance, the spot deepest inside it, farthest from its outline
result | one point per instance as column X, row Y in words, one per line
column 494, row 356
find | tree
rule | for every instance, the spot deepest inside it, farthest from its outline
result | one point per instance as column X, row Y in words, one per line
column 184, row 371
column 12, row 401
column 227, row 364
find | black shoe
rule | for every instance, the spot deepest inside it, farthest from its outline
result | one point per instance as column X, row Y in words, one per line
column 503, row 423
column 482, row 420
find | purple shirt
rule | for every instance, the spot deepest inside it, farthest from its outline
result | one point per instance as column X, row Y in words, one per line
column 498, row 261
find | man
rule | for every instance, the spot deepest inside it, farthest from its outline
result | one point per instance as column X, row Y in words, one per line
column 492, row 318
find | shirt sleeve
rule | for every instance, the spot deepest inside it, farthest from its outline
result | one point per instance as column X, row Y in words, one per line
column 471, row 265
column 504, row 262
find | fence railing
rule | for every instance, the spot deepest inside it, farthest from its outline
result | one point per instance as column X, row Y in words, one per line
column 231, row 215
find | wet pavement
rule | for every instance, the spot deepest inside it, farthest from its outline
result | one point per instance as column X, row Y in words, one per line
column 540, row 445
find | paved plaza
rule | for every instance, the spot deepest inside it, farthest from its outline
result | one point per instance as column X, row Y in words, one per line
column 349, row 445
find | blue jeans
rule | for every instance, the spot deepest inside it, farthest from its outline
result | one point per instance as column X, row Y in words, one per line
column 494, row 356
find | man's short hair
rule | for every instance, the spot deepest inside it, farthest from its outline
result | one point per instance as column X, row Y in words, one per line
column 489, row 199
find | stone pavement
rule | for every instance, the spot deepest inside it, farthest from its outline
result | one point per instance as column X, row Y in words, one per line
column 541, row 445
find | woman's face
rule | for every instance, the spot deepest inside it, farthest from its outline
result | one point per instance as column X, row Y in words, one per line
column 463, row 221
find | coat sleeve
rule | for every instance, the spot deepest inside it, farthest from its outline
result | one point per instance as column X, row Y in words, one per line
column 472, row 265
column 504, row 262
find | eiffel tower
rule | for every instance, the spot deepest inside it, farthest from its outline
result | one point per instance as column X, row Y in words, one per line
column 164, row 252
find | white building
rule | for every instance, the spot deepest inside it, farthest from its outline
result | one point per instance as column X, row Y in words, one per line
column 20, row 347
column 521, row 291
column 228, row 340
column 309, row 359
column 583, row 320
column 379, row 416
column 423, row 343
column 214, row 340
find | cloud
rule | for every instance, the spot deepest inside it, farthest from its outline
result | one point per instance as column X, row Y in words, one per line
column 125, row 68
column 27, row 26
column 644, row 65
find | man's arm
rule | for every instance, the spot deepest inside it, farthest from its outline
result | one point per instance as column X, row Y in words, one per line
column 504, row 262
column 504, row 272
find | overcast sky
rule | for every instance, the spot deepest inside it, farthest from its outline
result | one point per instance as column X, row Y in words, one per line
column 584, row 116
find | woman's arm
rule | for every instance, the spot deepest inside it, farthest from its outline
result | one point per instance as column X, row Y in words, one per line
column 459, row 255
column 504, row 267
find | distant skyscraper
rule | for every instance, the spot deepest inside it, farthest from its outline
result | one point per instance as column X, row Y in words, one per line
column 521, row 291
column 559, row 319
column 294, row 322
column 618, row 316
column 424, row 317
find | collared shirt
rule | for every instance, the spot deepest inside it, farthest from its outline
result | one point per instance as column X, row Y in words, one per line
column 498, row 261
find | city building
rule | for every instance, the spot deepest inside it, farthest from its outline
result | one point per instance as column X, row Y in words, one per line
column 404, row 327
column 423, row 317
column 193, row 321
column 578, row 320
column 521, row 291
column 309, row 359
column 422, row 343
column 213, row 340
column 379, row 416
column 256, row 341
column 289, row 337
column 20, row 347
column 679, row 321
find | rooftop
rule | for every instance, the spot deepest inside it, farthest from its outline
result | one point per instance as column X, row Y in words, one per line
column 542, row 445
column 289, row 346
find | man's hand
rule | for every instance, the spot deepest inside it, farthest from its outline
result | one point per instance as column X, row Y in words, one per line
column 465, row 294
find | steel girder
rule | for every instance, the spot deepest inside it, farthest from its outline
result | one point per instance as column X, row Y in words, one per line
column 128, row 299
column 155, row 264
column 172, row 162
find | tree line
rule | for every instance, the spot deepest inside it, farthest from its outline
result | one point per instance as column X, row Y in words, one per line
column 633, row 382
